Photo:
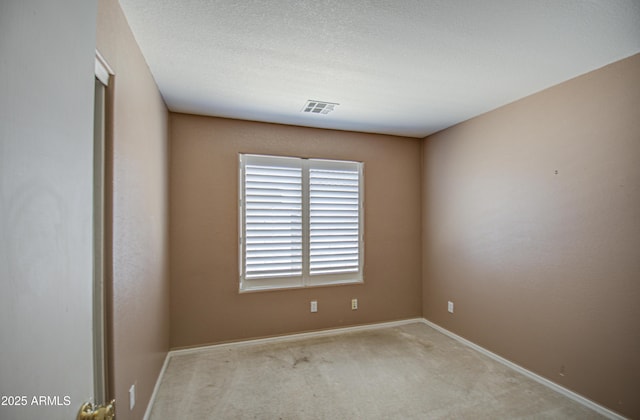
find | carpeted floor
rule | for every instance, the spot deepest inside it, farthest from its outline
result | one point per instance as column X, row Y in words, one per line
column 406, row 372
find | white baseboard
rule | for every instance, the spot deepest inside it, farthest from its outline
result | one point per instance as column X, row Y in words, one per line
column 336, row 331
column 544, row 381
column 297, row 336
column 147, row 412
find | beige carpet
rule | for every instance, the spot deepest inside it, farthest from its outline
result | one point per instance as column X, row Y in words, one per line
column 405, row 372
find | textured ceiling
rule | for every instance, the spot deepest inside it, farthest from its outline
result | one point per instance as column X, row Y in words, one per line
column 409, row 67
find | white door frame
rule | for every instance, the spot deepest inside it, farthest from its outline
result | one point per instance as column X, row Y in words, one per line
column 102, row 73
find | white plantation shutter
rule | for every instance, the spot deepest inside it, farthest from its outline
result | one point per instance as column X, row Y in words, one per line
column 334, row 222
column 272, row 219
column 300, row 222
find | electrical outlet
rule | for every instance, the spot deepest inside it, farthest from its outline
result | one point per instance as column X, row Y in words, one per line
column 354, row 304
column 314, row 306
column 450, row 306
column 132, row 396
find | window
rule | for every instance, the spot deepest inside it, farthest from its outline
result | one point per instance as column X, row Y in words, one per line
column 300, row 222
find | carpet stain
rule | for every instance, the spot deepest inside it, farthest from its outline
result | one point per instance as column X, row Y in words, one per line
column 411, row 338
column 299, row 360
column 426, row 346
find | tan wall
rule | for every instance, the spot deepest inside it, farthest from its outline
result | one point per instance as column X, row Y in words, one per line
column 205, row 304
column 140, row 282
column 544, row 267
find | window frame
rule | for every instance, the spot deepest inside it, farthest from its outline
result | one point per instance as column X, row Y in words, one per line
column 305, row 279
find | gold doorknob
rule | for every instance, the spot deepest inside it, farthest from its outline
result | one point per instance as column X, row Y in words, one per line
column 99, row 412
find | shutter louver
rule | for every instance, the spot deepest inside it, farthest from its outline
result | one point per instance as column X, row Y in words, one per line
column 334, row 231
column 273, row 221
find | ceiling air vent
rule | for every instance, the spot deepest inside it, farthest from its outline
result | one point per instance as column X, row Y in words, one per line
column 319, row 107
